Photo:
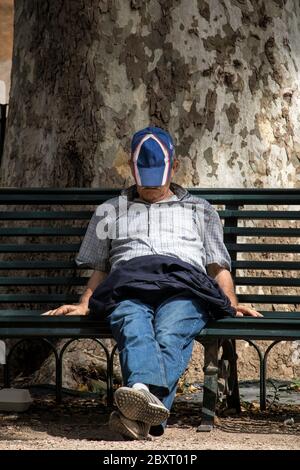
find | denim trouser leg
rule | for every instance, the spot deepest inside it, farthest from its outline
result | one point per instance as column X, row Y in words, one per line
column 155, row 346
column 177, row 321
column 140, row 356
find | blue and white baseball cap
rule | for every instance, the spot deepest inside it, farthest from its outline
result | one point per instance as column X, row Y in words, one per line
column 152, row 151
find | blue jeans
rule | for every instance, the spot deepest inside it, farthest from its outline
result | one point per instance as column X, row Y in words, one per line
column 155, row 343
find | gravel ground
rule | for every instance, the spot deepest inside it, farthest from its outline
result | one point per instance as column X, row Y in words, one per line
column 82, row 424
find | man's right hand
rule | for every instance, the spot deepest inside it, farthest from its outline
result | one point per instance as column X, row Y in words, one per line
column 79, row 309
column 82, row 308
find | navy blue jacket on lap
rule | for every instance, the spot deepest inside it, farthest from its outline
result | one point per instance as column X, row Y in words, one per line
column 155, row 278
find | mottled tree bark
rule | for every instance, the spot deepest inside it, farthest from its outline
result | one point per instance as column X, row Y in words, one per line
column 221, row 75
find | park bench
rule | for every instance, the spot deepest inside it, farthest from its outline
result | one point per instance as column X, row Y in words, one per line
column 41, row 231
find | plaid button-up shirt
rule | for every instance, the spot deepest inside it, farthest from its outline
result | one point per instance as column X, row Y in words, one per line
column 183, row 226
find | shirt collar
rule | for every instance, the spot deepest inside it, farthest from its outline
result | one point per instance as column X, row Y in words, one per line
column 178, row 190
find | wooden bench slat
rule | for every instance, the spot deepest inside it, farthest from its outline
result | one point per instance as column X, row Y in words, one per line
column 82, row 196
column 59, row 332
column 281, row 315
column 34, row 315
column 262, row 247
column 80, row 281
column 43, row 264
column 251, row 322
column 78, row 231
column 42, row 231
column 38, row 319
column 267, row 281
column 19, row 312
column 45, row 215
column 86, row 215
column 253, row 333
column 27, row 316
column 262, row 231
column 229, row 322
column 43, row 281
column 69, row 298
column 281, row 265
column 39, row 248
column 38, row 197
column 251, row 199
column 39, row 298
column 37, row 264
column 269, row 299
column 74, row 247
column 256, row 214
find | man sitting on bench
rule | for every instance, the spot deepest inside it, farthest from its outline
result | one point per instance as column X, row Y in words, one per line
column 161, row 270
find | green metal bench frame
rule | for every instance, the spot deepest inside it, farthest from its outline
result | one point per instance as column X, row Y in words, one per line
column 25, row 323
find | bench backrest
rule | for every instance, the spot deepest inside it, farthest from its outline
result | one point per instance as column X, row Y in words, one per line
column 41, row 231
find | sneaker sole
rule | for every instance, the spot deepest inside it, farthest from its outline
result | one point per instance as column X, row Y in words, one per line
column 135, row 406
column 116, row 425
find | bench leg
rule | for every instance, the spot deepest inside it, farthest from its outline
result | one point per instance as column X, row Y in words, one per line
column 58, row 381
column 110, row 372
column 263, row 376
column 210, row 392
column 229, row 353
column 263, row 384
column 6, row 376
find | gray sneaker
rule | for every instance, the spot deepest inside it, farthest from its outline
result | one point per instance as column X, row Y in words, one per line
column 128, row 427
column 141, row 405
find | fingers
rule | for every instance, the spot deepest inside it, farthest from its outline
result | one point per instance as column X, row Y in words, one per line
column 250, row 313
column 75, row 312
column 63, row 310
column 79, row 311
column 239, row 314
column 243, row 310
column 68, row 310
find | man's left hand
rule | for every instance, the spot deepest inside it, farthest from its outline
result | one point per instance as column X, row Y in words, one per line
column 243, row 311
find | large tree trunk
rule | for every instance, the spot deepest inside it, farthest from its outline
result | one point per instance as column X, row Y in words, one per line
column 221, row 75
